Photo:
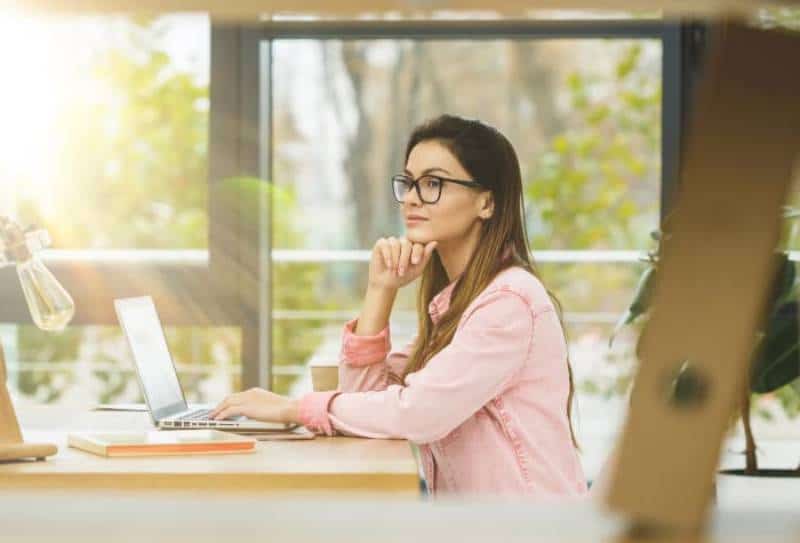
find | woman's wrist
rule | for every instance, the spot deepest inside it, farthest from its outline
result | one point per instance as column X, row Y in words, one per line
column 381, row 289
column 378, row 304
column 291, row 413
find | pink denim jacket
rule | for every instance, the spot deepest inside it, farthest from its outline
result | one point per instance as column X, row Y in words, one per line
column 488, row 411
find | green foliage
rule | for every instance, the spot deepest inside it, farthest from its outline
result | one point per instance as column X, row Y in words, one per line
column 61, row 348
column 593, row 186
column 295, row 286
column 784, row 17
column 585, row 193
column 134, row 167
column 640, row 303
column 114, row 383
column 789, row 398
column 776, row 348
column 776, row 360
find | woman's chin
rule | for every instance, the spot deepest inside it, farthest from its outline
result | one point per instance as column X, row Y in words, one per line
column 414, row 235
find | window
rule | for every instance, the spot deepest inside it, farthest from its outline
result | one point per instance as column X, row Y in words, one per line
column 110, row 130
column 584, row 112
column 322, row 109
column 105, row 144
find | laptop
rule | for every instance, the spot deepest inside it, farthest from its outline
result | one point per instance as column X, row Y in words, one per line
column 158, row 379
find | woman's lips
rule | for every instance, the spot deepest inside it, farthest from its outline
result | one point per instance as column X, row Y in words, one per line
column 415, row 220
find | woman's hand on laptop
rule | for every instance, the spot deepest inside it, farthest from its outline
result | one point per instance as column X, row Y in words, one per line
column 258, row 404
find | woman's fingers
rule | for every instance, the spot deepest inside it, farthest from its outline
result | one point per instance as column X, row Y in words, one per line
column 219, row 409
column 416, row 253
column 400, row 255
column 405, row 256
column 222, row 405
column 394, row 245
column 386, row 253
column 233, row 399
column 232, row 411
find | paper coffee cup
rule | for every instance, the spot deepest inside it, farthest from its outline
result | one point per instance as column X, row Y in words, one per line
column 324, row 377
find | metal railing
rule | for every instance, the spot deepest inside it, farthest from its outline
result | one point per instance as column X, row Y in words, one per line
column 307, row 256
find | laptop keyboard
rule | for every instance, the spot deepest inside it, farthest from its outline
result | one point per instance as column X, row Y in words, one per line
column 200, row 414
column 199, row 419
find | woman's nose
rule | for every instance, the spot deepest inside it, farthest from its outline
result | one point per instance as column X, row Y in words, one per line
column 411, row 197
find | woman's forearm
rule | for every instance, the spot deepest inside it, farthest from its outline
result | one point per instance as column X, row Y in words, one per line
column 375, row 313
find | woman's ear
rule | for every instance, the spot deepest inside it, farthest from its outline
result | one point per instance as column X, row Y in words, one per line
column 487, row 206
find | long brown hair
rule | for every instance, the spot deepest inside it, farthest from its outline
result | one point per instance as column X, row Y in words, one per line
column 489, row 158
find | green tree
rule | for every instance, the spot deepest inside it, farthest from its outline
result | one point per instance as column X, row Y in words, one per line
column 592, row 188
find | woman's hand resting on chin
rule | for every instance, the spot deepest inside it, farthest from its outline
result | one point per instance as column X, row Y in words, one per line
column 396, row 262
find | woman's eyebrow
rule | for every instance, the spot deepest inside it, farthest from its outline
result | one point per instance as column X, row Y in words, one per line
column 429, row 170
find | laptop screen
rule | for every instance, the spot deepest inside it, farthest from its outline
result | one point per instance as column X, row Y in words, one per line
column 157, row 375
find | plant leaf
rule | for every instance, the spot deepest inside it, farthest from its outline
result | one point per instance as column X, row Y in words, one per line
column 640, row 303
column 777, row 360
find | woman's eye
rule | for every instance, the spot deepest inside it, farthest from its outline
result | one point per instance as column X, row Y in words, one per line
column 432, row 182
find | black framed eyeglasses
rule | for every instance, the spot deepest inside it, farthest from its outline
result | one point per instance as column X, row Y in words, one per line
column 428, row 187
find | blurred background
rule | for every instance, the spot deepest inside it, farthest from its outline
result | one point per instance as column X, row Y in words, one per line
column 107, row 141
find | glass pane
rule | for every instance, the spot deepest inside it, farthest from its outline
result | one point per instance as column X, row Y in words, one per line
column 585, row 119
column 92, row 364
column 105, row 129
column 584, row 116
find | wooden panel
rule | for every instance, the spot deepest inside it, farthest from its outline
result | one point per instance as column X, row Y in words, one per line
column 9, row 427
column 248, row 9
column 713, row 276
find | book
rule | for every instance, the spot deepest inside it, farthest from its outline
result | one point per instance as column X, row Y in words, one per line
column 152, row 443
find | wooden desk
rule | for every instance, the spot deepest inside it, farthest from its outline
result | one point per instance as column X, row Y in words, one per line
column 339, row 464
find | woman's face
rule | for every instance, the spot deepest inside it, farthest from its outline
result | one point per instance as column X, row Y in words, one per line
column 459, row 210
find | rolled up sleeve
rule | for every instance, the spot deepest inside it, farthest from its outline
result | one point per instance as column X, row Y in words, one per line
column 366, row 362
column 313, row 412
column 361, row 351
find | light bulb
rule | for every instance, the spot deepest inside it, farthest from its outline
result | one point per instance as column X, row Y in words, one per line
column 50, row 305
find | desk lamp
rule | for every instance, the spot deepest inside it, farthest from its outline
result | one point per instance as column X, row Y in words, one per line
column 51, row 308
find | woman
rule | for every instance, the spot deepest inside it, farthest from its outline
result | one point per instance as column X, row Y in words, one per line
column 485, row 389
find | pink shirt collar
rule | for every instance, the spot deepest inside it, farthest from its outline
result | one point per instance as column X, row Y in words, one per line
column 441, row 302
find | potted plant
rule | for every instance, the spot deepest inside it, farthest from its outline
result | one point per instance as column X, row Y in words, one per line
column 776, row 347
